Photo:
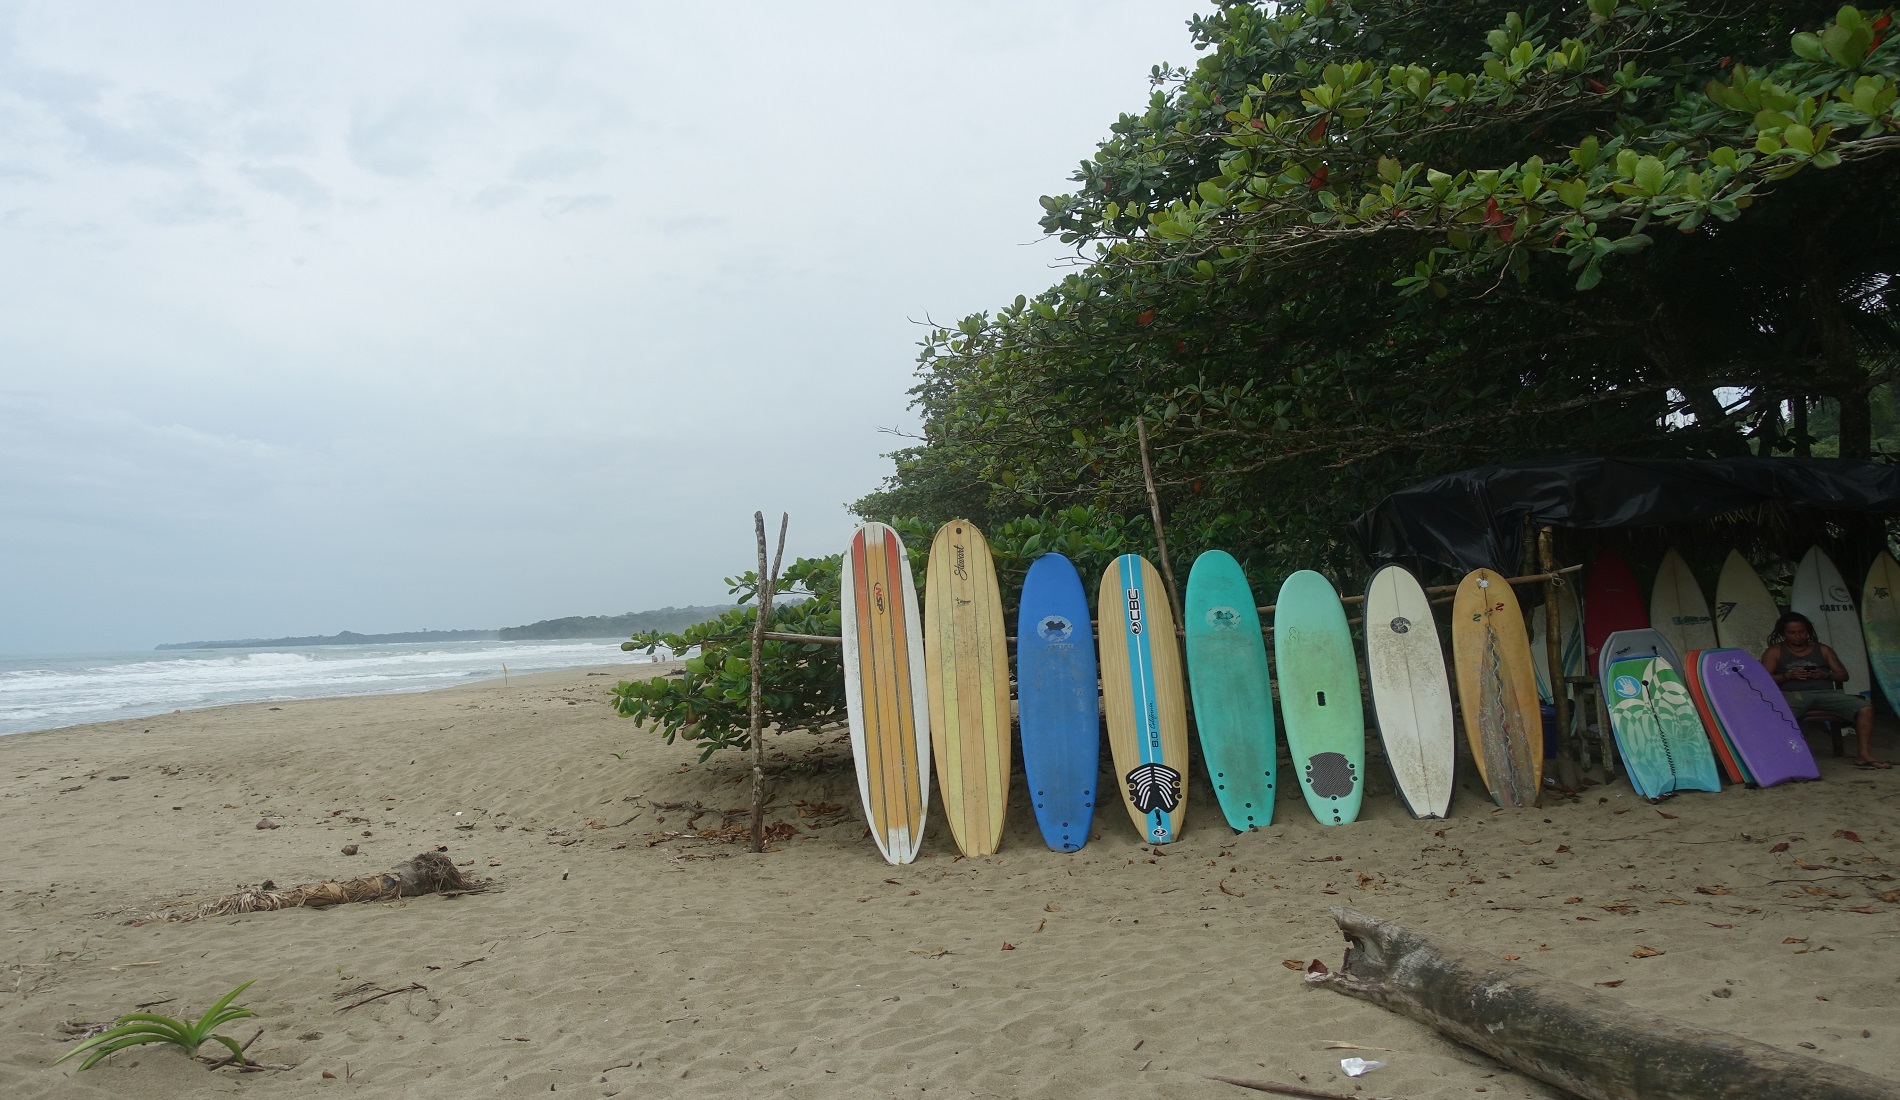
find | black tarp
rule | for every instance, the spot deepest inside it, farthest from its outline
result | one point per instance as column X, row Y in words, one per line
column 1477, row 518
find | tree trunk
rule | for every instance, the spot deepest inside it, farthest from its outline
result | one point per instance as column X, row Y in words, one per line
column 1846, row 377
column 1586, row 1042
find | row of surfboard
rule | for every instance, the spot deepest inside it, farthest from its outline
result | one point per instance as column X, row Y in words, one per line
column 1683, row 686
column 1866, row 639
column 937, row 688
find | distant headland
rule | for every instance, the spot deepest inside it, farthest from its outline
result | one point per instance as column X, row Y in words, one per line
column 668, row 619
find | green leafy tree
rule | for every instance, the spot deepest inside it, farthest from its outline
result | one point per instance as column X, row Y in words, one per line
column 1361, row 244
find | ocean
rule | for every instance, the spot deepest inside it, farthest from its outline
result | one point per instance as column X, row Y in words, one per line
column 46, row 692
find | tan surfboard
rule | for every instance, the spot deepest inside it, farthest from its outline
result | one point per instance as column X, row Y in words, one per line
column 966, row 667
column 1142, row 696
column 885, row 699
column 1497, row 688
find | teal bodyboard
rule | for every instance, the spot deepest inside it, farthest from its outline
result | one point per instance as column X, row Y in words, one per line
column 1233, row 698
column 1319, row 696
column 1658, row 731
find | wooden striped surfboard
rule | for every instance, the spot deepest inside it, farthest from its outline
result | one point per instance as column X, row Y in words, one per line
column 966, row 669
column 1141, row 693
column 885, row 696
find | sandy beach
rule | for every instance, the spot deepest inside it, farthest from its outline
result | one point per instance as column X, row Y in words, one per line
column 622, row 954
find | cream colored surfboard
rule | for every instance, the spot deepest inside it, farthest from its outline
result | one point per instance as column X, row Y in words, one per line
column 966, row 666
column 1821, row 595
column 1677, row 609
column 1744, row 612
column 1497, row 688
column 885, row 698
column 1410, row 693
column 1142, row 697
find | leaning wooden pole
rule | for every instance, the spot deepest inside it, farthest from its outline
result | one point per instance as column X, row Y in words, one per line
column 1154, row 509
column 1553, row 648
column 768, row 581
column 1586, row 1042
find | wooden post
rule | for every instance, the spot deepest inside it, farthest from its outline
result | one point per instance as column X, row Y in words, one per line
column 768, row 581
column 1554, row 648
column 1154, row 509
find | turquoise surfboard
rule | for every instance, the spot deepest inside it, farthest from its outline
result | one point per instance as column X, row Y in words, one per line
column 1233, row 698
column 1319, row 696
column 1058, row 701
column 1658, row 730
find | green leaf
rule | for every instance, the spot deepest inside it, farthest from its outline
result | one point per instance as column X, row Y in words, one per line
column 1808, row 46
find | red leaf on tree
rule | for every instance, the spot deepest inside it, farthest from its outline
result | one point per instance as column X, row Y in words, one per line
column 1597, row 87
column 1318, row 179
column 1318, row 130
column 1147, row 317
column 1492, row 216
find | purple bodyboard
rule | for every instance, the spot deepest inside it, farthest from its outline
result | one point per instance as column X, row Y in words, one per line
column 1755, row 715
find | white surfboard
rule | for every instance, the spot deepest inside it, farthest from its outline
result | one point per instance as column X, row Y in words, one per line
column 1411, row 695
column 1823, row 596
column 1744, row 612
column 1880, row 616
column 1677, row 608
column 1570, row 618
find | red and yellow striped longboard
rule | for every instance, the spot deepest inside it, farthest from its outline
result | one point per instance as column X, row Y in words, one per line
column 967, row 671
column 884, row 691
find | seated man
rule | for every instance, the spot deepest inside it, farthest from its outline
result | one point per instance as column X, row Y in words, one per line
column 1810, row 676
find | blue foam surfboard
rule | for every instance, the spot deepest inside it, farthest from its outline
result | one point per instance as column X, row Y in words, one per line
column 1059, row 701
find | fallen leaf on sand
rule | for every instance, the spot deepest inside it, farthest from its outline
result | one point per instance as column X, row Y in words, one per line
column 1645, row 953
column 1781, row 847
column 1847, row 834
column 1512, row 958
column 1007, row 946
column 1052, row 907
column 1806, row 866
column 1712, row 924
column 1713, row 890
column 1572, row 901
column 1889, row 895
column 1231, row 893
column 1321, row 859
column 1613, row 984
column 1671, row 817
column 1317, row 967
column 1865, row 909
column 1041, row 923
column 1795, row 939
column 933, row 953
column 1293, row 964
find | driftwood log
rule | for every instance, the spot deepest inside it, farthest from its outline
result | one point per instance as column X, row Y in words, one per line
column 426, row 873
column 1580, row 1040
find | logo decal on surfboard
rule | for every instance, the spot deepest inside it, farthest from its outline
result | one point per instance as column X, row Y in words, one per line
column 1223, row 618
column 1400, row 625
column 1154, row 787
column 1134, row 611
column 1055, row 628
column 1628, row 687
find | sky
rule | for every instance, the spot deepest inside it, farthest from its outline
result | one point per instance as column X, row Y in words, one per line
column 443, row 315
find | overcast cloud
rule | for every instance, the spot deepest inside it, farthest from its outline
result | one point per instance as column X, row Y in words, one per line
column 436, row 315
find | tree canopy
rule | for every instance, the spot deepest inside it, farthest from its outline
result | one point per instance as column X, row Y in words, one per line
column 1361, row 243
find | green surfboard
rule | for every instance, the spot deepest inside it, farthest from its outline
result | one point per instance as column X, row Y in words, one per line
column 1233, row 699
column 1319, row 696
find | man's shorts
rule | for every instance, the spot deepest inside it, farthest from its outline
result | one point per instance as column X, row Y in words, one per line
column 1838, row 703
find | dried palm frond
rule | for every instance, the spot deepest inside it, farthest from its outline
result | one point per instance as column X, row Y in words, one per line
column 427, row 873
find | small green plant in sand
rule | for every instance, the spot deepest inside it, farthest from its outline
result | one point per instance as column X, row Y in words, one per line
column 137, row 1028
